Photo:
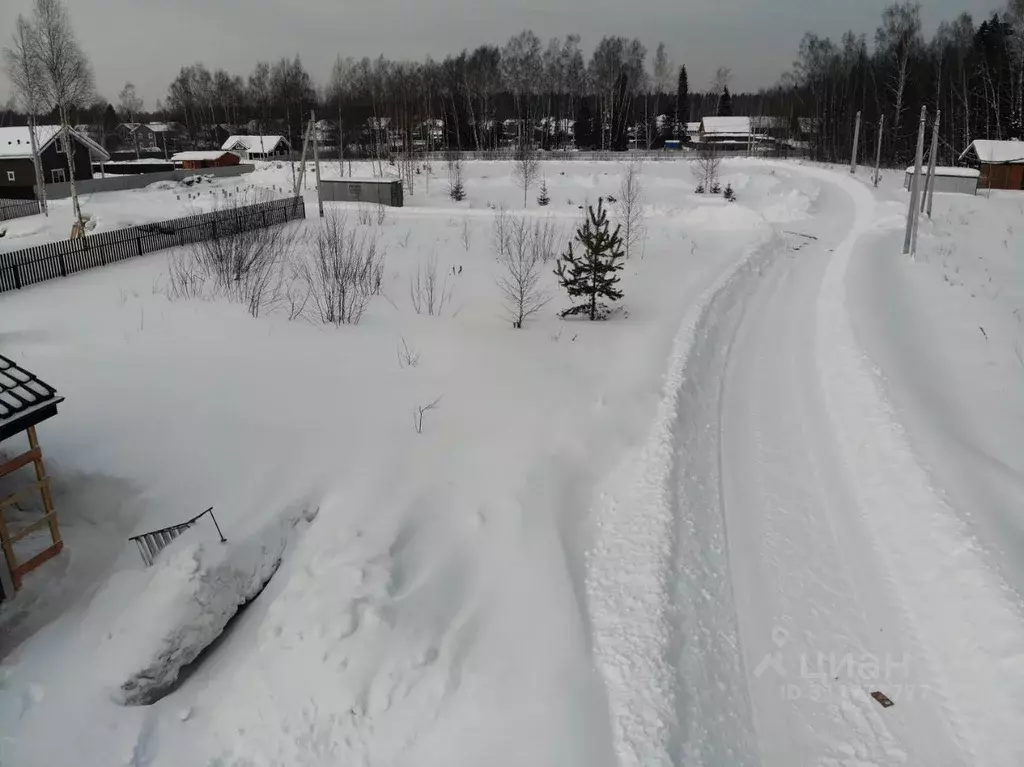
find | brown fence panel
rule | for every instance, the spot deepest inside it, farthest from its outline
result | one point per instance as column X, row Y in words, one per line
column 59, row 259
column 11, row 209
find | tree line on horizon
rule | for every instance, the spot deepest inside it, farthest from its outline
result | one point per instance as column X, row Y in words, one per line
column 973, row 73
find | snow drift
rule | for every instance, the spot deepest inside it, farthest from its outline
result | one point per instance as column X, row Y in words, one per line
column 194, row 588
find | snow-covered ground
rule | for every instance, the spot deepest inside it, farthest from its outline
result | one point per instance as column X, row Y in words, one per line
column 782, row 477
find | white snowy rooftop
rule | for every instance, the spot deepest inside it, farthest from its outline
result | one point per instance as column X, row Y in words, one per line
column 726, row 125
column 989, row 151
column 16, row 143
column 259, row 144
column 949, row 171
column 197, row 156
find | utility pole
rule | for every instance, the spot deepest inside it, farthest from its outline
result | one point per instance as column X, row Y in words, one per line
column 878, row 151
column 316, row 162
column 930, row 188
column 910, row 240
column 856, row 145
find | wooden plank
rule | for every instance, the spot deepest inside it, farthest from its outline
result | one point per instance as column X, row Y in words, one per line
column 18, row 573
column 44, row 490
column 18, row 461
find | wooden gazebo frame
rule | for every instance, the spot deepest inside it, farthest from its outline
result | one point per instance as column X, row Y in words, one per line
column 25, row 402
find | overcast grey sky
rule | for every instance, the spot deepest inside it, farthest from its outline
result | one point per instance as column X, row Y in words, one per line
column 147, row 41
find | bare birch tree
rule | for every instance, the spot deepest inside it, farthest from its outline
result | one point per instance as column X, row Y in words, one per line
column 22, row 67
column 520, row 250
column 631, row 200
column 526, row 168
column 707, row 162
column 67, row 77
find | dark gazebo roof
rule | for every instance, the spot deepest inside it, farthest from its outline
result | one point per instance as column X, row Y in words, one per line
column 24, row 399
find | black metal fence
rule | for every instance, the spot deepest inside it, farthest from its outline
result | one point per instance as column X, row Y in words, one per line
column 59, row 259
column 152, row 543
column 18, row 209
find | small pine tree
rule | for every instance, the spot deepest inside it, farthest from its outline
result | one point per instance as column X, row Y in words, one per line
column 543, row 199
column 716, row 188
column 729, row 194
column 699, row 189
column 591, row 275
column 457, row 191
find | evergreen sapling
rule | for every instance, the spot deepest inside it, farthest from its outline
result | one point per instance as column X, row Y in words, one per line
column 591, row 274
column 543, row 199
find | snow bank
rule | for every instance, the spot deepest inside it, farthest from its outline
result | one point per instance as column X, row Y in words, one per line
column 723, row 216
column 193, row 589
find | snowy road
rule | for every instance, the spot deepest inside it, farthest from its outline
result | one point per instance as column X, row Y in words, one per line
column 818, row 623
column 812, row 563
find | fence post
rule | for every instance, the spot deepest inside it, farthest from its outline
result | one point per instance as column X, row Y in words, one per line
column 17, row 276
column 138, row 243
column 63, row 264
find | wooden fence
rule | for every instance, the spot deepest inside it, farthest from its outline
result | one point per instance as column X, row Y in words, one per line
column 59, row 259
column 18, row 209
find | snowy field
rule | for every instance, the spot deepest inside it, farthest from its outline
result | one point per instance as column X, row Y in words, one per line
column 785, row 474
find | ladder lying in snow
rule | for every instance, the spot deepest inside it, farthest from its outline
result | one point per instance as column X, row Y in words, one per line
column 151, row 544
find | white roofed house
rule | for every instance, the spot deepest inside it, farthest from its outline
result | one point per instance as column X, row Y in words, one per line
column 257, row 147
column 727, row 134
column 1001, row 163
column 17, row 170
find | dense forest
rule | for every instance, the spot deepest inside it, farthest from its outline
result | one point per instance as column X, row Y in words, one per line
column 530, row 92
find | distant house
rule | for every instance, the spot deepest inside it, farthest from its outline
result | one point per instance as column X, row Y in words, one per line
column 257, row 147
column 149, row 137
column 126, row 133
column 726, row 133
column 1001, row 163
column 17, row 171
column 771, row 127
column 693, row 132
column 216, row 158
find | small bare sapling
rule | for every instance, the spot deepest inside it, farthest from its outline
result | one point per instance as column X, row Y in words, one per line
column 421, row 411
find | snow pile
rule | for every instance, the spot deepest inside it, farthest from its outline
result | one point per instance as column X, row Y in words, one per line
column 190, row 593
column 720, row 215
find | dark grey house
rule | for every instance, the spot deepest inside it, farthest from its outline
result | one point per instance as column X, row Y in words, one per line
column 17, row 172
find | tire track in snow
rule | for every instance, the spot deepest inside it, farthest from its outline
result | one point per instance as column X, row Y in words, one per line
column 631, row 575
column 967, row 624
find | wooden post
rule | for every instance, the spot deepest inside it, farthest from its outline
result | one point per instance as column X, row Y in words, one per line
column 316, row 163
column 878, row 152
column 930, row 188
column 856, row 145
column 910, row 239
